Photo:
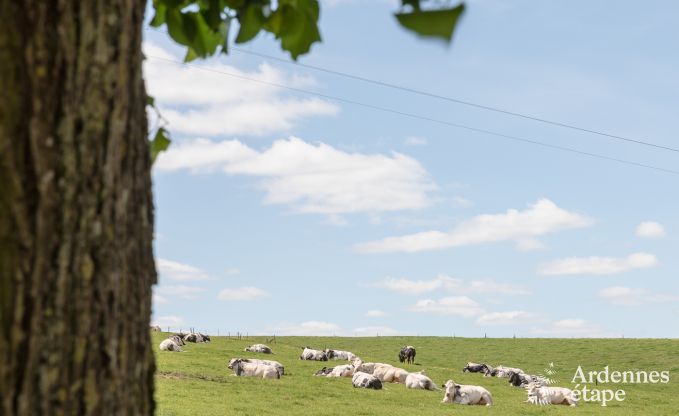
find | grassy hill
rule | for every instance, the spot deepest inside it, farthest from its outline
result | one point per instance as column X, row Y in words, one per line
column 197, row 381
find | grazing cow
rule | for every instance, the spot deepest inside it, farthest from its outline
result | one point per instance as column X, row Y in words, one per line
column 311, row 354
column 420, row 381
column 156, row 328
column 465, row 394
column 366, row 381
column 172, row 343
column 390, row 374
column 407, row 353
column 259, row 348
column 246, row 368
column 550, row 395
column 278, row 366
column 340, row 355
column 475, row 368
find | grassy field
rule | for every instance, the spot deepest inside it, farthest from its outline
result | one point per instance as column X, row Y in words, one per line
column 197, row 381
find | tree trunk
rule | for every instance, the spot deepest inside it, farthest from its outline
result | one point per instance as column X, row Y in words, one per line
column 76, row 213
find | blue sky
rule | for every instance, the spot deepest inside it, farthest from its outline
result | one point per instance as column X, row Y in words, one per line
column 288, row 213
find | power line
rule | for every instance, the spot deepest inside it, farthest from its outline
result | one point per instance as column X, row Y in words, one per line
column 455, row 100
column 416, row 116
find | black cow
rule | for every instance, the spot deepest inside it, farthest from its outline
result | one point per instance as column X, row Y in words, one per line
column 476, row 368
column 407, row 354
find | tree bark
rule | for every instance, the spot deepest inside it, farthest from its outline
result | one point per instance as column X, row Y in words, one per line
column 76, row 211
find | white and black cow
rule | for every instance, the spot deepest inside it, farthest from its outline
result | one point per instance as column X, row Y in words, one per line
column 366, row 381
column 475, row 368
column 340, row 355
column 407, row 354
column 324, row 371
column 156, row 328
column 522, row 379
column 172, row 343
column 196, row 337
column 542, row 395
column 390, row 374
column 465, row 394
column 259, row 348
column 503, row 372
column 420, row 381
column 246, row 368
column 312, row 354
column 278, row 366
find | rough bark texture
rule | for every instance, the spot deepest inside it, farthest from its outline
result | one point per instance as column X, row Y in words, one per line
column 76, row 214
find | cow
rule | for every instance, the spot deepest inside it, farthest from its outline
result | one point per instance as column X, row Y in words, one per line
column 475, row 368
column 390, row 374
column 420, row 381
column 366, row 381
column 196, row 337
column 407, row 354
column 345, row 370
column 178, row 338
column 156, row 328
column 369, row 368
column 278, row 366
column 502, row 372
column 311, row 354
column 259, row 348
column 324, row 371
column 340, row 355
column 543, row 395
column 245, row 368
column 465, row 394
column 522, row 379
column 172, row 343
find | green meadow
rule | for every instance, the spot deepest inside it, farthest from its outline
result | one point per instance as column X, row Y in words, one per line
column 197, row 381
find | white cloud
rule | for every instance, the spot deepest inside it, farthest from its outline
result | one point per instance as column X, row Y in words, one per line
column 168, row 321
column 597, row 265
column 529, row 244
column 371, row 331
column 182, row 291
column 376, row 314
column 572, row 328
column 452, row 305
column 178, row 271
column 309, row 328
column 450, row 284
column 208, row 102
column 627, row 296
column 242, row 294
column 650, row 229
column 507, row 318
column 415, row 141
column 541, row 218
column 312, row 178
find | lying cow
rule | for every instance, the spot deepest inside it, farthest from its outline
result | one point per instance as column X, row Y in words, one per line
column 311, row 354
column 156, row 328
column 171, row 344
column 420, row 381
column 366, row 381
column 345, row 370
column 475, row 368
column 367, row 367
column 196, row 337
column 278, row 366
column 324, row 371
column 550, row 395
column 259, row 348
column 390, row 374
column 407, row 354
column 464, row 394
column 522, row 379
column 502, row 372
column 340, row 355
column 246, row 368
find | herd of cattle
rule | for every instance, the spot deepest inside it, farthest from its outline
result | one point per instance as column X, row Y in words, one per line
column 372, row 375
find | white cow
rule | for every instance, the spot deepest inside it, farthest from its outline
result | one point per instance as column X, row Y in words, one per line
column 156, row 328
column 390, row 374
column 366, row 381
column 420, row 381
column 311, row 354
column 245, row 368
column 340, row 355
column 259, row 348
column 367, row 367
column 196, row 337
column 543, row 395
column 170, row 344
column 465, row 394
column 345, row 370
column 278, row 366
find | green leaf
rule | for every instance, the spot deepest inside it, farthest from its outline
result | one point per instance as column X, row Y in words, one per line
column 295, row 23
column 180, row 29
column 150, row 101
column 161, row 141
column 159, row 16
column 251, row 21
column 224, row 28
column 432, row 23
